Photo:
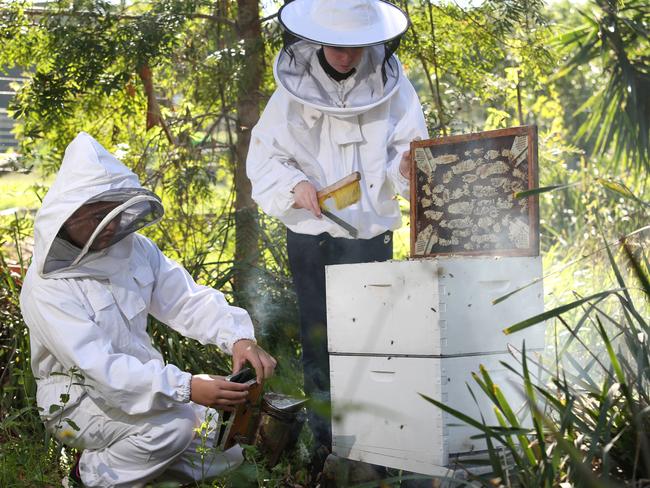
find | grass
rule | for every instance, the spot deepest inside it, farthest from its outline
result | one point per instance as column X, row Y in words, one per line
column 26, row 461
column 17, row 190
column 19, row 195
column 590, row 407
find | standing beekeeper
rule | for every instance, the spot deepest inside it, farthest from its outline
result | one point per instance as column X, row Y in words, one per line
column 342, row 105
column 101, row 385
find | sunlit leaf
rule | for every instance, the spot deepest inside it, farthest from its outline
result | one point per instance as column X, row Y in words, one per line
column 545, row 189
column 524, row 324
column 621, row 189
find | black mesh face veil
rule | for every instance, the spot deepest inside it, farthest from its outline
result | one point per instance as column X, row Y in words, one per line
column 102, row 221
column 389, row 49
column 138, row 208
column 288, row 40
column 128, row 219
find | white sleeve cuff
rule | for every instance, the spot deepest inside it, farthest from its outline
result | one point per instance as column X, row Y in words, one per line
column 185, row 388
column 227, row 340
column 287, row 195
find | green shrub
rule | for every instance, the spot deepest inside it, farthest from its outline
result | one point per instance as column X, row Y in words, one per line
column 591, row 407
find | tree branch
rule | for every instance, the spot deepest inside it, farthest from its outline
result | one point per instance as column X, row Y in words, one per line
column 35, row 12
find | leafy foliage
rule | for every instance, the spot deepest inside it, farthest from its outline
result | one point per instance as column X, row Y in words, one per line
column 503, row 48
column 589, row 405
column 157, row 83
column 613, row 41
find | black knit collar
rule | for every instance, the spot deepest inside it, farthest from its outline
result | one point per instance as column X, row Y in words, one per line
column 331, row 72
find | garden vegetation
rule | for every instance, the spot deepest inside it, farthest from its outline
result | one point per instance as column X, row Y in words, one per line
column 173, row 88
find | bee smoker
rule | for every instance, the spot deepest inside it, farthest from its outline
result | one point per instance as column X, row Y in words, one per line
column 281, row 420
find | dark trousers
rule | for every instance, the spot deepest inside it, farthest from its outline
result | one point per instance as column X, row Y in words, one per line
column 308, row 256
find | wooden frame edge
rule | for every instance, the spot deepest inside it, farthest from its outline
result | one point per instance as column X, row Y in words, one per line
column 530, row 131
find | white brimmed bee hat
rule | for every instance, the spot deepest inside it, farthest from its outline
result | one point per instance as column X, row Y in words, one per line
column 344, row 23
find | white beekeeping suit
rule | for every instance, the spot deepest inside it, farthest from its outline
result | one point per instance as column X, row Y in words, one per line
column 87, row 311
column 342, row 105
column 319, row 130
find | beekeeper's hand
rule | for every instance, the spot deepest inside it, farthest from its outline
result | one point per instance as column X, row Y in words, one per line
column 246, row 350
column 405, row 165
column 304, row 196
column 217, row 392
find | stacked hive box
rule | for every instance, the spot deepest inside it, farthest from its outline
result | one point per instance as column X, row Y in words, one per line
column 397, row 329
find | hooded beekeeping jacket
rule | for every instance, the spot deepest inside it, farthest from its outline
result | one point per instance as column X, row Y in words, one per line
column 317, row 129
column 87, row 310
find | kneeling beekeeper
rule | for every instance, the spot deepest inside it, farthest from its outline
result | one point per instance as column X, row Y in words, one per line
column 102, row 386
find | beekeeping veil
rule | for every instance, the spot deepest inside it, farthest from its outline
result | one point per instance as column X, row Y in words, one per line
column 90, row 174
column 309, row 24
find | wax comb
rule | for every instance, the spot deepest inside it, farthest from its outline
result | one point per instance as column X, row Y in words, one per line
column 344, row 192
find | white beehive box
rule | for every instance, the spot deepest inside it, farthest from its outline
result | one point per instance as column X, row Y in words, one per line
column 436, row 307
column 379, row 416
column 397, row 329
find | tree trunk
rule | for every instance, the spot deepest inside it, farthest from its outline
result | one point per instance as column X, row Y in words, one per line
column 248, row 112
